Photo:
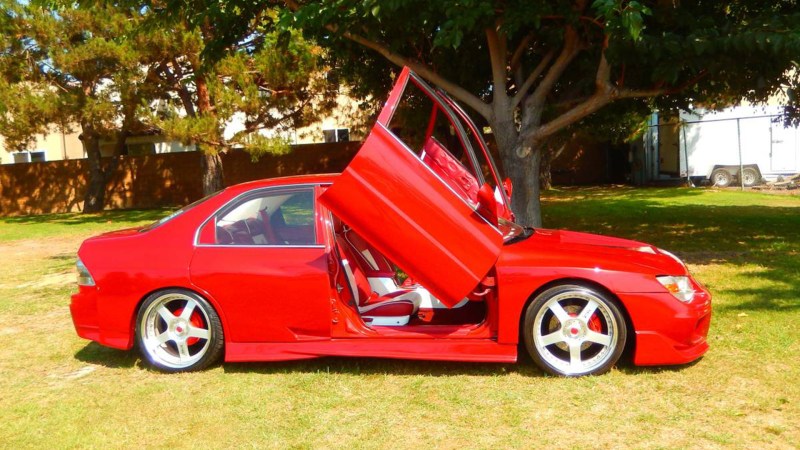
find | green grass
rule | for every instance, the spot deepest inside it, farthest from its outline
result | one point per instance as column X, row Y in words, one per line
column 57, row 390
column 50, row 225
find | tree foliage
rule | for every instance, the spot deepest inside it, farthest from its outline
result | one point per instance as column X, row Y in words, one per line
column 262, row 84
column 114, row 69
column 68, row 66
column 533, row 69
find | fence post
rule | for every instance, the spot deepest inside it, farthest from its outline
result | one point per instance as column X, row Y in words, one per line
column 741, row 165
column 685, row 154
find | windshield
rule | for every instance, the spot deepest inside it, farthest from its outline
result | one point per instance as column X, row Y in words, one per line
column 177, row 213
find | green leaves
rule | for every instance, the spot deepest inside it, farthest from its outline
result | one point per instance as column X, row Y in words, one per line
column 627, row 15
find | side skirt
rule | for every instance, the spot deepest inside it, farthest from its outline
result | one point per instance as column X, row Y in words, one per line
column 482, row 350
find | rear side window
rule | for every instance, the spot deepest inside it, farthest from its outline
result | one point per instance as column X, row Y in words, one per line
column 273, row 217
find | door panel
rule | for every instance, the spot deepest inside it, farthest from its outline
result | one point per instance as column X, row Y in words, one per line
column 267, row 294
column 399, row 205
column 262, row 263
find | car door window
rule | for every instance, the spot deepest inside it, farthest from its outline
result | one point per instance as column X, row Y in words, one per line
column 273, row 217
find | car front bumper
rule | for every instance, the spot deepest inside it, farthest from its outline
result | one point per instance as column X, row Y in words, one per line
column 667, row 330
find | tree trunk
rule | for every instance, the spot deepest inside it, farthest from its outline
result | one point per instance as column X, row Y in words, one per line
column 211, row 163
column 213, row 179
column 95, row 196
column 523, row 172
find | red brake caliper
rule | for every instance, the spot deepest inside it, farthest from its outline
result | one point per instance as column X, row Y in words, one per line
column 594, row 322
column 196, row 320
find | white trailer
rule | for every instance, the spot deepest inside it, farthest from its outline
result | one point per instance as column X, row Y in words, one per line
column 737, row 145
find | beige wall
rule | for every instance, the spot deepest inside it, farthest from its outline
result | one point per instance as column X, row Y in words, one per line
column 57, row 146
column 345, row 115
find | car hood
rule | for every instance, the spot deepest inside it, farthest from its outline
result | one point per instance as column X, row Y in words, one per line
column 595, row 249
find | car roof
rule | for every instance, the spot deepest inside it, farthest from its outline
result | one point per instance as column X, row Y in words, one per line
column 284, row 181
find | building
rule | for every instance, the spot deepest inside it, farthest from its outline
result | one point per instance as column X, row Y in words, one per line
column 55, row 146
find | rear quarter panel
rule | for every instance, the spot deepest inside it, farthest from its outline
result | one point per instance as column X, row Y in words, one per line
column 127, row 266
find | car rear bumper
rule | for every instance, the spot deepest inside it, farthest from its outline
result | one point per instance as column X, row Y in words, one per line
column 667, row 330
column 83, row 309
column 85, row 317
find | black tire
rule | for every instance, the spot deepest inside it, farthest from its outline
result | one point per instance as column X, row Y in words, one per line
column 552, row 342
column 750, row 177
column 178, row 331
column 721, row 178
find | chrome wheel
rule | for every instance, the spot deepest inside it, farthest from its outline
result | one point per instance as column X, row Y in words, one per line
column 574, row 330
column 178, row 330
column 721, row 178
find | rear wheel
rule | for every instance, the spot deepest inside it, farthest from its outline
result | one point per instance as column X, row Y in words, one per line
column 178, row 331
column 750, row 177
column 573, row 330
column 721, row 178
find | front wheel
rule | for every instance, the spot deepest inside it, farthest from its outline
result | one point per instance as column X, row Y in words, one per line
column 178, row 331
column 573, row 330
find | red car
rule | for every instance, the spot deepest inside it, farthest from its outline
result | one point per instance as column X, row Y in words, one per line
column 411, row 252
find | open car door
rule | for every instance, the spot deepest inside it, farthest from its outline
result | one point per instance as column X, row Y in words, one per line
column 415, row 190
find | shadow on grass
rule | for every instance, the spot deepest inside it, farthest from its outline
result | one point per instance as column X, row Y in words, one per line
column 403, row 367
column 378, row 366
column 95, row 353
column 630, row 369
column 126, row 215
column 621, row 192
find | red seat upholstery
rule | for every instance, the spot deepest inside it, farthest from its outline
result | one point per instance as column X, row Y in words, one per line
column 392, row 309
column 370, row 259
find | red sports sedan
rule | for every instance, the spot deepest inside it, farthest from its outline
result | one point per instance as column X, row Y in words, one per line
column 411, row 252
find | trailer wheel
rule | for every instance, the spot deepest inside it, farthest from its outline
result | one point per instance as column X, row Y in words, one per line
column 721, row 178
column 750, row 177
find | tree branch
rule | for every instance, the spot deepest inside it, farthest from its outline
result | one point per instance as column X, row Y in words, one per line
column 592, row 104
column 523, row 89
column 517, row 56
column 566, row 56
column 497, row 55
column 421, row 69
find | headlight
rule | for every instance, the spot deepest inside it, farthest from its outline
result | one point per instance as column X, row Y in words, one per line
column 680, row 287
column 84, row 277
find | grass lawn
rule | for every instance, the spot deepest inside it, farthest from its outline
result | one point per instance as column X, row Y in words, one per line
column 57, row 390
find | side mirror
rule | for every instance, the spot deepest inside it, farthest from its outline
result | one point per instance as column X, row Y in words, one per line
column 487, row 205
column 508, row 188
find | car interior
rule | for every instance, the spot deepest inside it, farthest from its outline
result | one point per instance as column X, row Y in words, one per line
column 270, row 220
column 380, row 293
column 376, row 287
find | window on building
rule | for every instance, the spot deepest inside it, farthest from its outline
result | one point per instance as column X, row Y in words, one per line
column 38, row 156
column 21, row 157
column 336, row 135
column 29, row 156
